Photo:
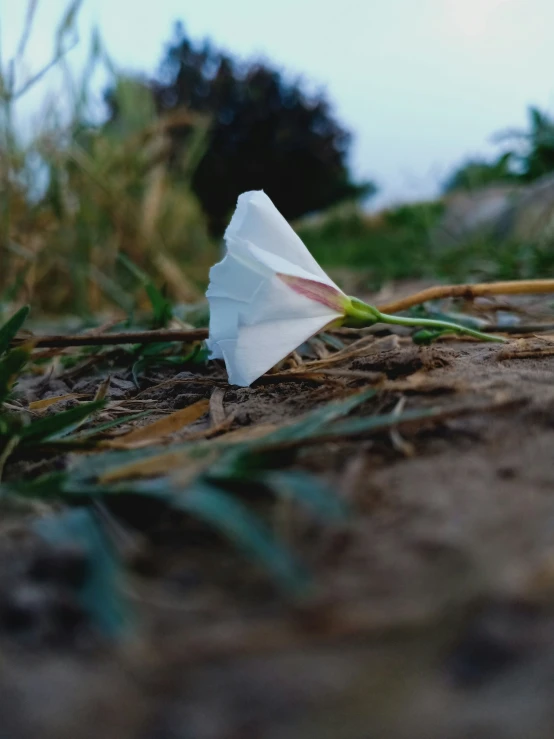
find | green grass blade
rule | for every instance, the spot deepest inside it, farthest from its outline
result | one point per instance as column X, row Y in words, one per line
column 308, row 491
column 49, row 485
column 162, row 310
column 10, row 367
column 352, row 427
column 107, row 426
column 100, row 594
column 333, row 341
column 313, row 422
column 54, row 427
column 203, row 501
column 11, row 327
column 356, row 426
column 235, row 521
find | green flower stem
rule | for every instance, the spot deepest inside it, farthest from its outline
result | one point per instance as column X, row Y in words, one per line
column 359, row 313
column 442, row 325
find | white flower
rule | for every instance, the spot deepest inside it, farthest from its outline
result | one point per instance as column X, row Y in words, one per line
column 268, row 295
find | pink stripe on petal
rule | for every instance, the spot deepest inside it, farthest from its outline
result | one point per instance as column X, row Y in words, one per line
column 316, row 291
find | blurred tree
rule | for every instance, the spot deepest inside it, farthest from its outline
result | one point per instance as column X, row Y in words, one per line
column 265, row 133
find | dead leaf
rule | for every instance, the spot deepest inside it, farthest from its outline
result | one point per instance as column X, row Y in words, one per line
column 40, row 405
column 225, row 425
column 161, row 428
column 319, row 348
column 160, row 464
column 362, row 347
column 103, row 388
column 249, row 433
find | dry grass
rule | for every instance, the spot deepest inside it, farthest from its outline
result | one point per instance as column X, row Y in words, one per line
column 77, row 196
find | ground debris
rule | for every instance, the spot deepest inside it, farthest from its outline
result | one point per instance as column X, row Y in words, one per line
column 442, row 573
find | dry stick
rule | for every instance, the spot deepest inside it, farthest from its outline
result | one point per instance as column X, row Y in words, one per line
column 127, row 337
column 470, row 292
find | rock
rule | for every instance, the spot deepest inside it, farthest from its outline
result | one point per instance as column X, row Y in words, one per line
column 501, row 212
column 472, row 215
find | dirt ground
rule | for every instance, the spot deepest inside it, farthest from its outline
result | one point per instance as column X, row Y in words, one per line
column 432, row 613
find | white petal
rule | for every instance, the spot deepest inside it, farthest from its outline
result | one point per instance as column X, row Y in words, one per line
column 257, row 221
column 275, row 323
column 274, row 263
column 261, row 346
column 274, row 300
column 237, row 276
column 224, row 320
column 256, row 318
column 243, row 290
column 214, row 349
column 233, row 285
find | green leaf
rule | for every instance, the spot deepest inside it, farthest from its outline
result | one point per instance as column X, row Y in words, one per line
column 241, row 462
column 196, row 314
column 162, row 309
column 427, row 336
column 312, row 423
column 235, row 521
column 152, row 358
column 350, row 427
column 55, row 427
column 310, row 492
column 136, row 371
column 255, row 467
column 108, row 425
column 421, row 311
column 11, row 327
column 355, row 426
column 201, row 500
column 199, row 355
column 101, row 594
column 12, row 290
column 50, row 485
column 91, row 467
column 156, row 350
column 333, row 341
column 10, row 367
column 10, row 424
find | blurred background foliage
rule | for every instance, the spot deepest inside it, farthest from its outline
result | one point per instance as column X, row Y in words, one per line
column 156, row 178
column 529, row 155
column 76, row 195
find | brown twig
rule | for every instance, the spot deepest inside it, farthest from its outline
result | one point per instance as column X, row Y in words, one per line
column 126, row 337
column 469, row 292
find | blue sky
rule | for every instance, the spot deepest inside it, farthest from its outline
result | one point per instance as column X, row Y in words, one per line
column 420, row 83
